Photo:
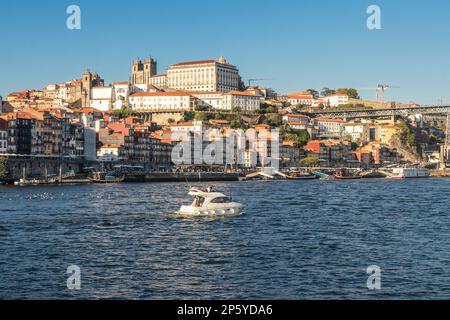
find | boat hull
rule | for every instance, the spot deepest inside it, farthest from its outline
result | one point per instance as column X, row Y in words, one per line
column 309, row 177
column 234, row 210
column 347, row 178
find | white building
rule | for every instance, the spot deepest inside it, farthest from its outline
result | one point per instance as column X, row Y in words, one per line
column 159, row 81
column 356, row 131
column 211, row 99
column 301, row 98
column 204, row 75
column 108, row 153
column 329, row 128
column 101, row 98
column 335, row 100
column 245, row 101
column 121, row 92
column 161, row 101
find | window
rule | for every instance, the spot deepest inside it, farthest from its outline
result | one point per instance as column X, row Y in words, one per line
column 221, row 200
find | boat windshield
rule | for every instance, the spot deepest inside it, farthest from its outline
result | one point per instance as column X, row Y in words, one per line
column 199, row 201
column 221, row 200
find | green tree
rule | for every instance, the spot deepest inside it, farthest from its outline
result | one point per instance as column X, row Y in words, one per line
column 124, row 112
column 352, row 93
column 188, row 116
column 202, row 107
column 201, row 116
column 4, row 170
column 274, row 121
column 300, row 136
column 327, row 92
column 314, row 93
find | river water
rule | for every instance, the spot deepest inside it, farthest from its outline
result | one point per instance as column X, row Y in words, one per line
column 297, row 240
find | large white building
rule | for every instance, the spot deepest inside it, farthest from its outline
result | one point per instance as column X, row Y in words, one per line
column 159, row 81
column 204, row 75
column 330, row 128
column 101, row 98
column 301, row 98
column 335, row 100
column 161, row 101
column 244, row 101
column 121, row 92
column 211, row 99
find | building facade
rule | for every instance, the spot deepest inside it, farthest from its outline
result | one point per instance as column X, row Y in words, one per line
column 204, row 75
column 161, row 101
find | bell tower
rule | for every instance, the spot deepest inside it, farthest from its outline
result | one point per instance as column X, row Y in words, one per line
column 86, row 86
column 150, row 69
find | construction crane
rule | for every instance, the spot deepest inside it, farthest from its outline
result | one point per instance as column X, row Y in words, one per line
column 380, row 90
column 250, row 81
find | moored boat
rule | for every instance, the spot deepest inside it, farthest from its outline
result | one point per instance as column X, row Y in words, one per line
column 103, row 177
column 408, row 173
column 302, row 176
column 343, row 174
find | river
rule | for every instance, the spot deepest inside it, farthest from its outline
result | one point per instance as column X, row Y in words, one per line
column 297, row 240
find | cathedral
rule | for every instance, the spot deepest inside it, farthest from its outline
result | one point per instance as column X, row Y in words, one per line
column 141, row 72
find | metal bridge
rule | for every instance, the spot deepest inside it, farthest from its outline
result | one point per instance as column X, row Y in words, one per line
column 376, row 113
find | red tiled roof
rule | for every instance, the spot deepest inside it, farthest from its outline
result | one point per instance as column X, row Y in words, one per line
column 241, row 93
column 193, row 62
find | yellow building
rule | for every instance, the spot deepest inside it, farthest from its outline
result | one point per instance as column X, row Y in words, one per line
column 386, row 132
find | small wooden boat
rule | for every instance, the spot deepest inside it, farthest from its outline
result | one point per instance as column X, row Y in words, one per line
column 300, row 176
column 342, row 174
column 103, row 177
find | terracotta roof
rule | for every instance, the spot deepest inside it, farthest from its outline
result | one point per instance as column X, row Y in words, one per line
column 241, row 93
column 329, row 120
column 194, row 62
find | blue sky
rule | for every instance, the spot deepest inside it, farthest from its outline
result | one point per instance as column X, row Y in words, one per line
column 299, row 44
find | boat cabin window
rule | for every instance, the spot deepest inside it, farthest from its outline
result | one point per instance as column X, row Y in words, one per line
column 199, row 201
column 221, row 200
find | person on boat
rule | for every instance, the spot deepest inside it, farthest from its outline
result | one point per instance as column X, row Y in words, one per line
column 209, row 189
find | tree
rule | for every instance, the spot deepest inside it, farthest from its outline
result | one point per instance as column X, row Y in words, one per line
column 188, row 116
column 313, row 92
column 201, row 116
column 274, row 121
column 124, row 112
column 327, row 92
column 352, row 93
column 201, row 107
column 4, row 170
column 300, row 136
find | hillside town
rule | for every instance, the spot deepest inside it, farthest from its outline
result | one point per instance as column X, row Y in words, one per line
column 133, row 122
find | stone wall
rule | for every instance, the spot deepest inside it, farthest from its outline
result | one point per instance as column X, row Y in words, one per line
column 38, row 167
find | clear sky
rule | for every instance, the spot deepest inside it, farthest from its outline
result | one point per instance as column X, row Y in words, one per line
column 300, row 44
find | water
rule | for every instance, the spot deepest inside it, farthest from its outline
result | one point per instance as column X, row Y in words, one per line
column 297, row 240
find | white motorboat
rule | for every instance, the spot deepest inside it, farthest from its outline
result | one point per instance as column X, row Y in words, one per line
column 208, row 203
